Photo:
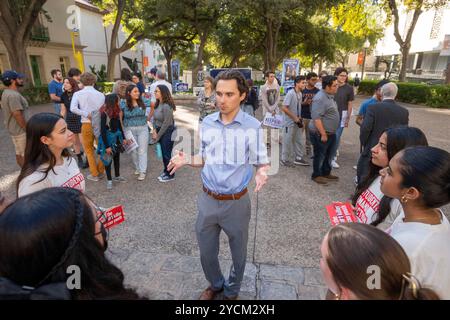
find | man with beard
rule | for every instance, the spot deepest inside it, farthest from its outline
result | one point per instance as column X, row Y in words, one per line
column 15, row 111
column 55, row 89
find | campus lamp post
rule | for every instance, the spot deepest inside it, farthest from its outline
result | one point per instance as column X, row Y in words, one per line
column 366, row 46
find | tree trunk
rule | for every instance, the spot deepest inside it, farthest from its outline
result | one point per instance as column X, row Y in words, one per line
column 169, row 67
column 18, row 59
column 111, row 65
column 405, row 52
column 199, row 64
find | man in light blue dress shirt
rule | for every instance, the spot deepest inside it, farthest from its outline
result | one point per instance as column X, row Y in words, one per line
column 232, row 143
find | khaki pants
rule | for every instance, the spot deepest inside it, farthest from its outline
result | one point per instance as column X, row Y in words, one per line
column 19, row 143
column 87, row 139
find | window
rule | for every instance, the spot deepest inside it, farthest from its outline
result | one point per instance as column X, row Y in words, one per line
column 64, row 65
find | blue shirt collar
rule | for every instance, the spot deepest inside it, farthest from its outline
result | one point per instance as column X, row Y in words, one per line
column 239, row 118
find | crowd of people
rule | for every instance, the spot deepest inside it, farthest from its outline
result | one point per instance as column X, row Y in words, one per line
column 401, row 182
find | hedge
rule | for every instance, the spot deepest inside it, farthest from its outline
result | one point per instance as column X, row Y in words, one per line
column 437, row 96
column 105, row 87
column 35, row 95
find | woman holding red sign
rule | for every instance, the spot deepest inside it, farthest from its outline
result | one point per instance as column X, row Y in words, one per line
column 371, row 205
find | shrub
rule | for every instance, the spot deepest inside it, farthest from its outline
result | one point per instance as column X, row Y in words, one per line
column 105, row 87
column 35, row 95
column 431, row 95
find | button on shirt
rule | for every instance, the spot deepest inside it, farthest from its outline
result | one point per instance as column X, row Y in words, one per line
column 86, row 101
column 230, row 151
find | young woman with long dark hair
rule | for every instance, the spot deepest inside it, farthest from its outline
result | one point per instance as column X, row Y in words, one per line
column 48, row 162
column 73, row 120
column 56, row 232
column 419, row 177
column 135, row 120
column 165, row 126
column 111, row 138
column 352, row 252
column 207, row 99
column 372, row 206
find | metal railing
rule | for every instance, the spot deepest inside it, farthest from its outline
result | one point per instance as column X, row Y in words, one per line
column 40, row 33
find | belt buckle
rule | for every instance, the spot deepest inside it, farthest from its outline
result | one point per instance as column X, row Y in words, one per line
column 233, row 196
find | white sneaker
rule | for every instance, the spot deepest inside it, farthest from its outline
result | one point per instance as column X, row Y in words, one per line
column 335, row 165
column 141, row 176
column 109, row 185
column 355, row 168
column 92, row 178
column 119, row 179
column 136, row 172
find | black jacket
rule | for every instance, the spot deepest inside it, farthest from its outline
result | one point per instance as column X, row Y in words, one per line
column 379, row 117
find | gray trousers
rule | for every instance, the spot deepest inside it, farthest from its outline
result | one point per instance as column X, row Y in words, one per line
column 292, row 139
column 233, row 217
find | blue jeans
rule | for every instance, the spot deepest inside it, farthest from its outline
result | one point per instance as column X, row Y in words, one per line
column 322, row 154
column 339, row 132
column 166, row 147
column 57, row 107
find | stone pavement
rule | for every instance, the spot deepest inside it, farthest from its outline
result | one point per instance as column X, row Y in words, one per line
column 156, row 247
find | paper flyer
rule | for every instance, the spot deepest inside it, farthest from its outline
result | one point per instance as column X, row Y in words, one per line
column 132, row 144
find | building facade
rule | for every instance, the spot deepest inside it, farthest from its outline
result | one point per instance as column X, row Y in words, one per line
column 51, row 47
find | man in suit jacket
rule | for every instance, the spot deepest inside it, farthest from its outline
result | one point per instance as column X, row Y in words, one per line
column 379, row 117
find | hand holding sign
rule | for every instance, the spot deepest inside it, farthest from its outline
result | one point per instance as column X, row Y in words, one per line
column 340, row 212
column 111, row 217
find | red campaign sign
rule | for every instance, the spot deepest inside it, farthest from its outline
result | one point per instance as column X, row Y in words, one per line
column 114, row 216
column 341, row 212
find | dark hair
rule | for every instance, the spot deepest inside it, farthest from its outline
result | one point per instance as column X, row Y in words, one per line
column 138, row 75
column 298, row 79
column 268, row 73
column 311, row 75
column 233, row 75
column 111, row 106
column 8, row 82
column 129, row 100
column 381, row 83
column 339, row 70
column 36, row 152
column 54, row 71
column 327, row 81
column 428, row 170
column 371, row 246
column 73, row 72
column 166, row 97
column 125, row 74
column 49, row 236
column 74, row 86
column 397, row 139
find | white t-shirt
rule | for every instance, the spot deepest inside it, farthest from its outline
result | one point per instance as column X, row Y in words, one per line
column 368, row 204
column 428, row 249
column 66, row 175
